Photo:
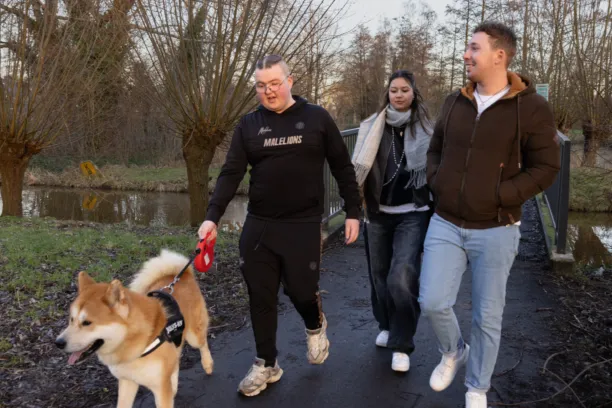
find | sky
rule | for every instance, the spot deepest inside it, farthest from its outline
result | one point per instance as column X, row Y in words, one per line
column 372, row 12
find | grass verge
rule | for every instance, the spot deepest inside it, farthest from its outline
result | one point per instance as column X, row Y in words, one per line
column 117, row 177
column 590, row 189
column 549, row 229
column 39, row 261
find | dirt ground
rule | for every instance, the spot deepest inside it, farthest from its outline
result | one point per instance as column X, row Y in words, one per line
column 35, row 374
column 556, row 346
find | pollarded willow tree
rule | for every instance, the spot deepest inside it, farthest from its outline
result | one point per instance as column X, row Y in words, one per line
column 51, row 59
column 202, row 56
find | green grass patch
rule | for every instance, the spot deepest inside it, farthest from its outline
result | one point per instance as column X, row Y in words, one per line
column 148, row 174
column 590, row 190
column 118, row 177
column 39, row 262
column 41, row 256
column 5, row 345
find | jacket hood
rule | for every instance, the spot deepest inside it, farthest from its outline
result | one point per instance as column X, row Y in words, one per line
column 519, row 85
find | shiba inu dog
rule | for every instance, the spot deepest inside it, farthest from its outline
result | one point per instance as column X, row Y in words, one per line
column 134, row 334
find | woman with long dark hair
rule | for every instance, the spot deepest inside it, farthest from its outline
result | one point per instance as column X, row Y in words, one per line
column 390, row 162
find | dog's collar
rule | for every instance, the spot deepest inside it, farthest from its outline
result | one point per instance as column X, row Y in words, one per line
column 173, row 332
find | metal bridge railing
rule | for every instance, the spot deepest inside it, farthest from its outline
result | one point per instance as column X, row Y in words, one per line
column 557, row 195
column 333, row 202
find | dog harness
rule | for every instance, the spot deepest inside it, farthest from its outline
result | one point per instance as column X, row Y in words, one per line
column 173, row 332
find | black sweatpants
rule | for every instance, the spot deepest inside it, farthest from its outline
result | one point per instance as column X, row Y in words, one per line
column 272, row 252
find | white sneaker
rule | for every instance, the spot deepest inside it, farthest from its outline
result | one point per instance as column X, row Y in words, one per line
column 444, row 374
column 258, row 378
column 475, row 400
column 400, row 362
column 382, row 338
column 318, row 344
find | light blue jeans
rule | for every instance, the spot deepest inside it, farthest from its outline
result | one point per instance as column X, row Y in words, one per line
column 490, row 254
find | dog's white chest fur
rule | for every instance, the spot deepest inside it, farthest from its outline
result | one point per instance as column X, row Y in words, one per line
column 147, row 373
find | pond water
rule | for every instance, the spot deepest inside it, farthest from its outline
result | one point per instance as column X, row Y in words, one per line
column 589, row 235
column 104, row 206
column 590, row 238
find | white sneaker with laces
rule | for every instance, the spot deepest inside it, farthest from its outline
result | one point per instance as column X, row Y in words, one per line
column 475, row 400
column 382, row 338
column 444, row 373
column 258, row 378
column 318, row 344
column 400, row 362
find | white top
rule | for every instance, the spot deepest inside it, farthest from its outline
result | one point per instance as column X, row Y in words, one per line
column 402, row 209
column 485, row 101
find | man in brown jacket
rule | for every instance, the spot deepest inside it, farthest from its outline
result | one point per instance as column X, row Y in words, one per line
column 493, row 148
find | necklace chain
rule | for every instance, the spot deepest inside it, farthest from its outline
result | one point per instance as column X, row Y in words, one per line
column 395, row 157
column 485, row 101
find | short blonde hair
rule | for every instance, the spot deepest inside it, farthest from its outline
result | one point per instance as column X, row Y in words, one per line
column 271, row 60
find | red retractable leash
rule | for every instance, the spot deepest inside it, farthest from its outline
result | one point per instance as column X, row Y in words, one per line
column 205, row 254
column 202, row 259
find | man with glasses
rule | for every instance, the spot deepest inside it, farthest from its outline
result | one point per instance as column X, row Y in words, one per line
column 286, row 141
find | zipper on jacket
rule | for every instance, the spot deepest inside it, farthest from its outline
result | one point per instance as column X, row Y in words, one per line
column 499, row 208
column 467, row 160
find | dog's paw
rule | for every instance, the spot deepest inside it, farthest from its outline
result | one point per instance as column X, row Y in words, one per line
column 208, row 366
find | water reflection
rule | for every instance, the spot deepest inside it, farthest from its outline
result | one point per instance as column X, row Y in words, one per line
column 589, row 234
column 590, row 238
column 142, row 208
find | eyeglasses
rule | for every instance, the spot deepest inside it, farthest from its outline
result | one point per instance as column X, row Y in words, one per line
column 273, row 87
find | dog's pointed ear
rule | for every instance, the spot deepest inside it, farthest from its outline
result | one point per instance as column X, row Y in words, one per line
column 85, row 280
column 115, row 293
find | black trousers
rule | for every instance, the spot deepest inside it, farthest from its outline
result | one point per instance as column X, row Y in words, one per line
column 376, row 309
column 273, row 252
column 395, row 244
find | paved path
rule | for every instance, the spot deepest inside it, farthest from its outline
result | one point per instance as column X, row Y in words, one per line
column 358, row 374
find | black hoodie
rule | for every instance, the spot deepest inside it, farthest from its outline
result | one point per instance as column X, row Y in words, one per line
column 286, row 152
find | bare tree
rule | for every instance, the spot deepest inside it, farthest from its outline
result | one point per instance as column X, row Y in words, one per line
column 202, row 56
column 45, row 70
column 592, row 40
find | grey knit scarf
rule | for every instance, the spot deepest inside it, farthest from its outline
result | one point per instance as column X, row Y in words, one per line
column 415, row 147
column 368, row 141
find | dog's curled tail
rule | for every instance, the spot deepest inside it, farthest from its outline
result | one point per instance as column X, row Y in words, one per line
column 168, row 263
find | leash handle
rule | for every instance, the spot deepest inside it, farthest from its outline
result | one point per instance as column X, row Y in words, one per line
column 195, row 253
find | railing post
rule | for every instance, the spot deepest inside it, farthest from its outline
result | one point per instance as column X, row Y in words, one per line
column 557, row 195
column 564, row 186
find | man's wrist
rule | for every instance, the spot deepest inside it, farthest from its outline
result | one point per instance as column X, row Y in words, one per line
column 353, row 214
column 213, row 216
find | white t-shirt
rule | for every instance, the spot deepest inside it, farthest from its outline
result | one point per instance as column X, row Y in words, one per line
column 484, row 102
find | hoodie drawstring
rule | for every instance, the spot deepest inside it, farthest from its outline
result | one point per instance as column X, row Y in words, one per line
column 518, row 125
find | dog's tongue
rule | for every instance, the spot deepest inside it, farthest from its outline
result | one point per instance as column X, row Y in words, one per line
column 74, row 357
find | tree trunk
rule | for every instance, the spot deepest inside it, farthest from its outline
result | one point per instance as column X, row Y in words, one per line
column 590, row 144
column 197, row 159
column 525, row 39
column 484, row 7
column 452, row 81
column 14, row 159
column 591, row 148
column 467, row 35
